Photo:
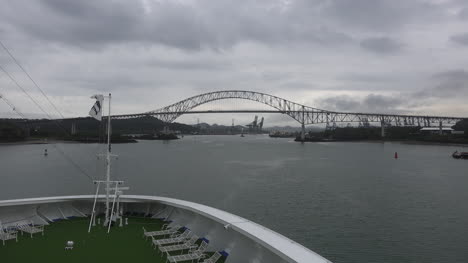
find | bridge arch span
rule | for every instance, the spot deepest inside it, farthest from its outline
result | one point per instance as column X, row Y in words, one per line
column 301, row 113
column 292, row 109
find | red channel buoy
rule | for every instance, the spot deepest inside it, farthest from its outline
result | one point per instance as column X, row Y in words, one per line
column 396, row 155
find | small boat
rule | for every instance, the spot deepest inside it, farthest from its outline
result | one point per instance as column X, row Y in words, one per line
column 460, row 155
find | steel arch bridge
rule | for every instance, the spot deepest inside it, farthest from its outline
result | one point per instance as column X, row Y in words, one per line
column 301, row 113
column 173, row 111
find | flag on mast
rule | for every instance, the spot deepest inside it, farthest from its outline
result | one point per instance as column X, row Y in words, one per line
column 96, row 110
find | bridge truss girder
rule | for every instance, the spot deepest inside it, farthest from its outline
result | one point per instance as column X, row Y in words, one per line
column 305, row 115
column 172, row 112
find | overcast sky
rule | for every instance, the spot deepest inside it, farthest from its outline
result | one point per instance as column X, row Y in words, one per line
column 401, row 56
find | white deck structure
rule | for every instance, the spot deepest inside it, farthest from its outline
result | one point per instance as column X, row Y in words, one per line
column 244, row 240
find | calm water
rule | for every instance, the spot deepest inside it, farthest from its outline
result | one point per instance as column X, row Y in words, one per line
column 350, row 202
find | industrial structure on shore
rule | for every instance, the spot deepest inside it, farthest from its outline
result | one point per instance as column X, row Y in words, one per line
column 256, row 126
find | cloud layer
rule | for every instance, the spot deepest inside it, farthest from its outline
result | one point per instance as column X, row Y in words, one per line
column 461, row 39
column 361, row 55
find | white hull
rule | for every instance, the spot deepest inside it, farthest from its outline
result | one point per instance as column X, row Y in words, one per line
column 244, row 240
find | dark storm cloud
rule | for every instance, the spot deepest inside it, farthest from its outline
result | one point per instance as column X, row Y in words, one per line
column 155, row 52
column 461, row 39
column 188, row 64
column 452, row 84
column 370, row 103
column 110, row 82
column 463, row 14
column 381, row 45
column 372, row 78
column 377, row 102
column 211, row 24
column 380, row 14
column 448, row 84
column 77, row 23
column 297, row 86
column 340, row 103
column 206, row 24
column 454, row 74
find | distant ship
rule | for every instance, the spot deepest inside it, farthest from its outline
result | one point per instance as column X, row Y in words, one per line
column 279, row 134
column 460, row 155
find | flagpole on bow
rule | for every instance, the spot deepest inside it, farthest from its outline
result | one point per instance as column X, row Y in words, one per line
column 108, row 163
column 96, row 112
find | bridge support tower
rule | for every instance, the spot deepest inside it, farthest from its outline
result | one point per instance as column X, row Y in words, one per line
column 303, row 125
column 73, row 129
column 382, row 125
column 303, row 132
column 440, row 128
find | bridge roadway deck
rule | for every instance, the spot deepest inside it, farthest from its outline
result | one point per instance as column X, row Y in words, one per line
column 124, row 116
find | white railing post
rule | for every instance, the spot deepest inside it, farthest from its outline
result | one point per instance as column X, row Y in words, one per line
column 93, row 213
column 112, row 211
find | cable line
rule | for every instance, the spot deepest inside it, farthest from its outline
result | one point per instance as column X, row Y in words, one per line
column 24, row 91
column 29, row 76
column 68, row 158
column 34, row 101
column 12, row 106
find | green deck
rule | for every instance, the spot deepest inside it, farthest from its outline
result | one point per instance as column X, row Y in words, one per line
column 124, row 244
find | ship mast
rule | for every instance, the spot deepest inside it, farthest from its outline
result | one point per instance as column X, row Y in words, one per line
column 111, row 213
column 108, row 163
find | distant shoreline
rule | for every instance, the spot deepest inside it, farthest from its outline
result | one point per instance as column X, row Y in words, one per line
column 41, row 141
column 410, row 142
column 33, row 141
column 434, row 143
column 415, row 142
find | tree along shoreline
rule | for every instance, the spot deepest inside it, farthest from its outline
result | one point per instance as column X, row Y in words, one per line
column 408, row 141
column 84, row 130
column 403, row 134
column 88, row 130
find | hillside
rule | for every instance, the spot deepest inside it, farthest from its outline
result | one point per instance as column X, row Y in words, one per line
column 84, row 127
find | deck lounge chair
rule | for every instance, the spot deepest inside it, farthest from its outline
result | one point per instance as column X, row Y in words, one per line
column 189, row 244
column 215, row 257
column 8, row 235
column 194, row 254
column 69, row 245
column 29, row 227
column 165, row 231
column 175, row 239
